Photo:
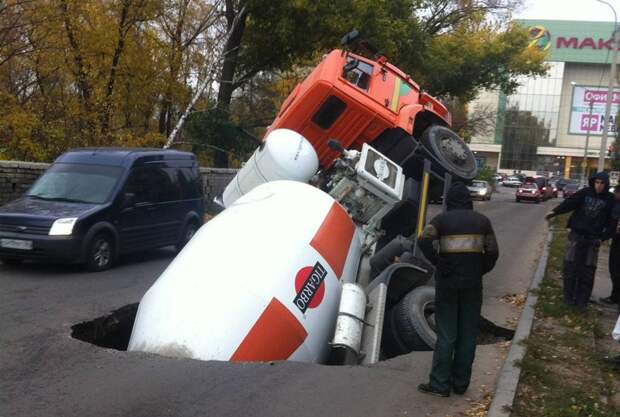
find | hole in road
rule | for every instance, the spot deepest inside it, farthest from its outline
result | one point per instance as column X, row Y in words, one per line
column 113, row 331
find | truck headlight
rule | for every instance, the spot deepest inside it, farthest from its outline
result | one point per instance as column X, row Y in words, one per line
column 63, row 227
column 482, row 192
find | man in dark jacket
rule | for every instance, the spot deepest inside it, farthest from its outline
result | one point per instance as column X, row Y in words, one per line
column 462, row 245
column 614, row 251
column 591, row 207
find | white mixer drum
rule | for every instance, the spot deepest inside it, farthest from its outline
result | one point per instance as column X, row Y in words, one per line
column 284, row 155
column 259, row 282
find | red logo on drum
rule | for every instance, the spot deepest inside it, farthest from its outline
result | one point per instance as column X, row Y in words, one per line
column 310, row 287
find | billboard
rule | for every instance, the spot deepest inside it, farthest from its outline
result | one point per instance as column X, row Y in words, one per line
column 582, row 119
column 571, row 41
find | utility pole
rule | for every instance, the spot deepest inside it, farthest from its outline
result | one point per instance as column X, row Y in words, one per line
column 584, row 179
column 610, row 91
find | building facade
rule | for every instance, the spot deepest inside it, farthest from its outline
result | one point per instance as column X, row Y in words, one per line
column 545, row 124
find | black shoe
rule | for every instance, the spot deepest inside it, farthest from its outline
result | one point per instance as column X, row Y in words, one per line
column 459, row 391
column 608, row 300
column 427, row 389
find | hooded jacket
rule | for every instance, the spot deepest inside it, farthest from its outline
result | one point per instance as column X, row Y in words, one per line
column 460, row 243
column 591, row 210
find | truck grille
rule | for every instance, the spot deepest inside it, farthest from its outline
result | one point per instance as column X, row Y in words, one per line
column 33, row 230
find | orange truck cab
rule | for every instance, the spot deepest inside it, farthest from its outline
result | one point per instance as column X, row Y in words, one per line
column 355, row 100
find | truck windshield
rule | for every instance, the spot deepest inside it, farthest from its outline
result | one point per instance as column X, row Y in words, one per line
column 76, row 183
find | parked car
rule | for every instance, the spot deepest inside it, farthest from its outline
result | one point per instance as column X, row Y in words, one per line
column 561, row 183
column 546, row 190
column 92, row 205
column 554, row 188
column 512, row 181
column 570, row 189
column 529, row 192
column 481, row 190
column 499, row 178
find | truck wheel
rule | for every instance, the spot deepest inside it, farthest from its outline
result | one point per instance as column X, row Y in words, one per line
column 100, row 252
column 411, row 322
column 449, row 152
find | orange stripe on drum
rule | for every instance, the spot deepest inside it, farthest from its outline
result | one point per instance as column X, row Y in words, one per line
column 333, row 238
column 275, row 336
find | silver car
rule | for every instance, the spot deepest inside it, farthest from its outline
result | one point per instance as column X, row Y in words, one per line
column 481, row 190
column 512, row 182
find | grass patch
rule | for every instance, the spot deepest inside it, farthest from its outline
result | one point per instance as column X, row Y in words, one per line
column 563, row 374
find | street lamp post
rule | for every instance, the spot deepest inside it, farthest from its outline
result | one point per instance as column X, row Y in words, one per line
column 585, row 151
column 610, row 90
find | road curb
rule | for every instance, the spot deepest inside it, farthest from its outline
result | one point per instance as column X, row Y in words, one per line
column 508, row 378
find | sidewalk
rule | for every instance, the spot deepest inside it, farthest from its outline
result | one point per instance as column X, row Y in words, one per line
column 607, row 314
column 563, row 372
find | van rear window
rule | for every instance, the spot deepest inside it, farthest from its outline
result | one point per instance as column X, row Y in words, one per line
column 329, row 112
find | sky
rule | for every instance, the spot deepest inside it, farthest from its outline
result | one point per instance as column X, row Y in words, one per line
column 585, row 10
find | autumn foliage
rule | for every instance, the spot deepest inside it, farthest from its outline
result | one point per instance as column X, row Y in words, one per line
column 121, row 72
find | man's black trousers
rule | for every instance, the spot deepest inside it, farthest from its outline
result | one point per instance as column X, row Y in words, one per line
column 579, row 269
column 614, row 269
column 457, row 318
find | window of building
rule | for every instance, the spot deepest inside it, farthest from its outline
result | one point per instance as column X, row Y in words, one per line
column 531, row 119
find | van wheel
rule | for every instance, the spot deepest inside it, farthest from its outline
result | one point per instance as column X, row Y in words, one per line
column 188, row 233
column 100, row 253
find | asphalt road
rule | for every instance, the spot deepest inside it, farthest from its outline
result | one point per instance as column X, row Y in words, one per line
column 45, row 372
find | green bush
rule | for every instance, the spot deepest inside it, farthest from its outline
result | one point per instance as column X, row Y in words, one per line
column 486, row 173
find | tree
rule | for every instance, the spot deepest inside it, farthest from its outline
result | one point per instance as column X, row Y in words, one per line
column 451, row 47
column 76, row 73
column 467, row 122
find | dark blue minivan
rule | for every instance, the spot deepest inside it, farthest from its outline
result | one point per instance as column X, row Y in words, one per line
column 92, row 205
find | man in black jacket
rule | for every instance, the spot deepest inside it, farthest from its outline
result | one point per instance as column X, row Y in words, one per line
column 462, row 245
column 614, row 251
column 591, row 207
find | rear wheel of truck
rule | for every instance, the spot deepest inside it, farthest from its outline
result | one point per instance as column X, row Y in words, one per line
column 410, row 324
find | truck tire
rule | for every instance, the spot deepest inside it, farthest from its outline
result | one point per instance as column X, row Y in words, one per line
column 409, row 324
column 449, row 152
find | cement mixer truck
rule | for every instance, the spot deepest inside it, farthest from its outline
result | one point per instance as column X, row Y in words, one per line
column 303, row 262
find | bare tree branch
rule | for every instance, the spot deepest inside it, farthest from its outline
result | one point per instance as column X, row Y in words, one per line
column 209, row 69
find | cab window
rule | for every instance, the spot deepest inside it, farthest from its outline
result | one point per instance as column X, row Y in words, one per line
column 360, row 75
column 329, row 112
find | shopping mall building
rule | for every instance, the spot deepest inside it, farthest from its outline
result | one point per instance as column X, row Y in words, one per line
column 544, row 125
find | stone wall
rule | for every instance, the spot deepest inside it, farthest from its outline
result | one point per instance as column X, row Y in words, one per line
column 16, row 177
